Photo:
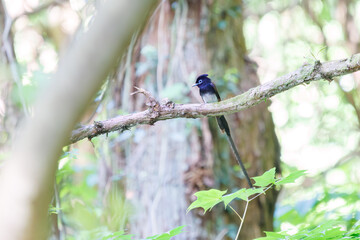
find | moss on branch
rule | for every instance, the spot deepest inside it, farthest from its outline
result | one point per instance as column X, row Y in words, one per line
column 305, row 74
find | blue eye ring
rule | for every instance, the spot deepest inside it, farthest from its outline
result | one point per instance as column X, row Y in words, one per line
column 200, row 81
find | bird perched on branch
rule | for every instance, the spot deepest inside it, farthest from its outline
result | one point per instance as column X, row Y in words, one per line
column 209, row 94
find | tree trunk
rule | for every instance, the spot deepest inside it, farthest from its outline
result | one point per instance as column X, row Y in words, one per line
column 253, row 129
column 168, row 162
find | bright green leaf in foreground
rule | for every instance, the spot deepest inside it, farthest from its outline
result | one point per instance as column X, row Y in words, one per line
column 243, row 194
column 207, row 199
column 354, row 231
column 118, row 236
column 328, row 230
column 291, row 178
column 168, row 235
column 273, row 236
column 266, row 179
column 176, row 231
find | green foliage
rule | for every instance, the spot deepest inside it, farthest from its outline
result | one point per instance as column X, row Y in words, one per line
column 209, row 198
column 291, row 178
column 267, row 178
column 315, row 123
column 168, row 235
column 117, row 236
column 164, row 236
column 80, row 209
column 334, row 201
column 87, row 217
column 328, row 230
column 243, row 194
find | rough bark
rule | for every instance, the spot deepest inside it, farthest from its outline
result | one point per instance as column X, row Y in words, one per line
column 156, row 166
column 170, row 163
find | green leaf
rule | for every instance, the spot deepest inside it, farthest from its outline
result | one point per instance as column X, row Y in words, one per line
column 328, row 230
column 291, row 178
column 118, row 236
column 273, row 236
column 229, row 197
column 243, row 194
column 168, row 235
column 207, row 199
column 355, row 230
column 176, row 231
column 164, row 236
column 267, row 238
column 267, row 178
column 335, row 233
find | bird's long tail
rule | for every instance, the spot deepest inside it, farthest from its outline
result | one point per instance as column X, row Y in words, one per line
column 224, row 126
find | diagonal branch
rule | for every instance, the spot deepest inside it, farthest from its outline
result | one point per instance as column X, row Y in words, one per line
column 168, row 110
column 27, row 175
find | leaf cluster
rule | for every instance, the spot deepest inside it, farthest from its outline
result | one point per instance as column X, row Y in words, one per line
column 209, row 198
column 164, row 236
column 328, row 230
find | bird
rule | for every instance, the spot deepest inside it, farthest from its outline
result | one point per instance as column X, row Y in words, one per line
column 209, row 94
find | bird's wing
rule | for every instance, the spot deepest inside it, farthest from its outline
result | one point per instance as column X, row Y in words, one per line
column 216, row 92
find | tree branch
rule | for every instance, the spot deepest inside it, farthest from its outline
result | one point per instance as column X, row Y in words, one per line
column 166, row 109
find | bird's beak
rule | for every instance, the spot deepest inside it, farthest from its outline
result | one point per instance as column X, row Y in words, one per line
column 194, row 85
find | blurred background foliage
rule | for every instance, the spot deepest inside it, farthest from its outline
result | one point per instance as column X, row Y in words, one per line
column 317, row 124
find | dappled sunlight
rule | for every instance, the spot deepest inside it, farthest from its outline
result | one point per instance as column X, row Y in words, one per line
column 148, row 177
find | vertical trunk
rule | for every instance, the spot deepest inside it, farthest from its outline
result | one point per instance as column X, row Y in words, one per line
column 253, row 129
column 158, row 160
column 155, row 168
column 168, row 162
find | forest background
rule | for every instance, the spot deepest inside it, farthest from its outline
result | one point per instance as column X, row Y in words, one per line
column 140, row 181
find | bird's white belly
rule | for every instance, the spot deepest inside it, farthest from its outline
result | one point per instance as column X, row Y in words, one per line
column 209, row 98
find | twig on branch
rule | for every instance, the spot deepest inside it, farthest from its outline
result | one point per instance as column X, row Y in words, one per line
column 151, row 102
column 168, row 110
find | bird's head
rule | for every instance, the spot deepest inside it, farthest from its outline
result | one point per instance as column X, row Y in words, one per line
column 202, row 80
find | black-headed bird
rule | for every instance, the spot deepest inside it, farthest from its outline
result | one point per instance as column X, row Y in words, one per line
column 209, row 94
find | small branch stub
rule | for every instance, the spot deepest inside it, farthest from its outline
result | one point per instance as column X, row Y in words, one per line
column 99, row 126
column 154, row 107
